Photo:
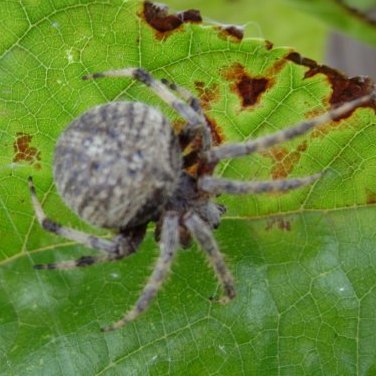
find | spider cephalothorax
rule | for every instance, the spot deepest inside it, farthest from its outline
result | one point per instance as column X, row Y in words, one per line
column 122, row 166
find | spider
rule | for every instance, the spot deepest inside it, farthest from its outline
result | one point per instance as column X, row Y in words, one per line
column 121, row 166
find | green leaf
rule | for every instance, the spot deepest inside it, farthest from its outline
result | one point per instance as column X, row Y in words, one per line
column 349, row 17
column 304, row 261
column 274, row 20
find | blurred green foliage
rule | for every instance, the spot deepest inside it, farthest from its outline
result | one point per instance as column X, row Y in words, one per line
column 274, row 20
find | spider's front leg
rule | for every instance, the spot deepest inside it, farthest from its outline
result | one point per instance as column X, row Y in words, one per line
column 189, row 108
column 119, row 247
column 218, row 185
column 185, row 94
column 219, row 153
column 168, row 247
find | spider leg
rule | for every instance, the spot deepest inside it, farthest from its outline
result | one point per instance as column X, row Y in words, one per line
column 203, row 234
column 218, row 185
column 184, row 94
column 191, row 111
column 80, row 262
column 168, row 246
column 114, row 249
column 237, row 150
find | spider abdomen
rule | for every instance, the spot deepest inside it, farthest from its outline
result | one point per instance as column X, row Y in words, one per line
column 117, row 164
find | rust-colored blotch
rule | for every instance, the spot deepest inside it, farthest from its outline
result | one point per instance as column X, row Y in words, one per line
column 344, row 89
column 207, row 94
column 371, row 197
column 23, row 152
column 156, row 15
column 215, row 130
column 249, row 89
column 281, row 223
column 285, row 161
column 232, row 32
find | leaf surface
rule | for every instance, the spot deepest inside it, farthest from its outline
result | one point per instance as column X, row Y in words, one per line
column 304, row 261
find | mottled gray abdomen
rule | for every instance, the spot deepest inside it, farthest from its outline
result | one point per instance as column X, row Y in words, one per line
column 117, row 164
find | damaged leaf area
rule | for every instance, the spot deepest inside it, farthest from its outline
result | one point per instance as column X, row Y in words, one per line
column 247, row 88
column 157, row 16
column 24, row 152
column 343, row 88
column 304, row 261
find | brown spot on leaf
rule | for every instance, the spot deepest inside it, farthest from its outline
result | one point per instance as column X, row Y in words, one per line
column 268, row 44
column 216, row 131
column 156, row 15
column 207, row 94
column 248, row 88
column 322, row 130
column 371, row 197
column 276, row 67
column 23, row 152
column 232, row 32
column 284, row 161
column 280, row 223
column 344, row 89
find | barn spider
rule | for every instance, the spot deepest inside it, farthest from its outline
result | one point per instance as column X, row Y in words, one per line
column 120, row 166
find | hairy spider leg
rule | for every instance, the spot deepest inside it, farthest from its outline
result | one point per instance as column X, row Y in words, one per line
column 80, row 262
column 234, row 187
column 196, row 123
column 115, row 249
column 185, row 94
column 192, row 157
column 168, row 248
column 239, row 149
column 204, row 236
